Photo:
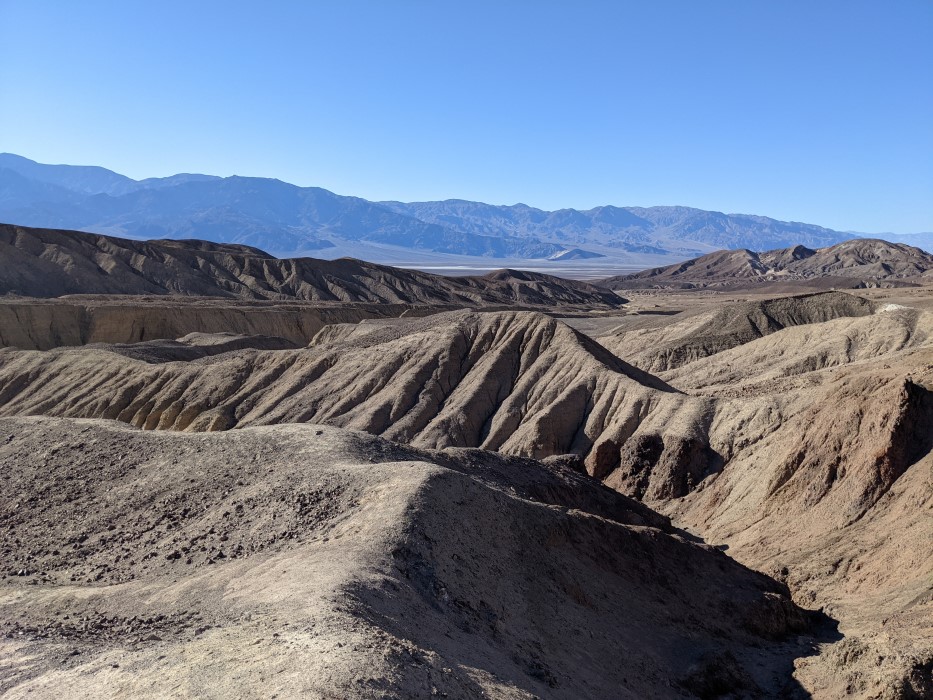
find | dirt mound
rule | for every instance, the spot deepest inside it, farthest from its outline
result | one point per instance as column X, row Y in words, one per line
column 850, row 264
column 52, row 263
column 302, row 560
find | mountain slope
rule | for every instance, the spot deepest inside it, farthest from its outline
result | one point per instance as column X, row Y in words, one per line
column 822, row 423
column 86, row 179
column 290, row 220
column 638, row 229
column 850, row 263
column 43, row 263
column 517, row 382
column 802, row 444
column 315, row 562
column 252, row 211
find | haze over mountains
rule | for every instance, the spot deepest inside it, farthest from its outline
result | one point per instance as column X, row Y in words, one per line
column 289, row 221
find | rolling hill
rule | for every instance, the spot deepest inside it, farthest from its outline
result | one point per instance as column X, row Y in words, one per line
column 164, row 564
column 849, row 264
column 50, row 263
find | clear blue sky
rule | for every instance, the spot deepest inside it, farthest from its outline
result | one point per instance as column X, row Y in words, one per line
column 817, row 111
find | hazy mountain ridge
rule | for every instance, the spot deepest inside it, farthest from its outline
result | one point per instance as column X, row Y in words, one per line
column 636, row 229
column 288, row 220
column 261, row 212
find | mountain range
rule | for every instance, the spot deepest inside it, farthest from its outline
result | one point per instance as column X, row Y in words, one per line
column 290, row 221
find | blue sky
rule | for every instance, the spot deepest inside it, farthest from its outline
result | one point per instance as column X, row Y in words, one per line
column 809, row 111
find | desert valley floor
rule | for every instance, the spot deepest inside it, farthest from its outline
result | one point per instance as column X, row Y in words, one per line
column 225, row 475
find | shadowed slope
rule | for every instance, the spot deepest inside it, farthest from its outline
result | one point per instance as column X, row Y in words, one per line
column 828, row 483
column 517, row 382
column 47, row 263
column 305, row 561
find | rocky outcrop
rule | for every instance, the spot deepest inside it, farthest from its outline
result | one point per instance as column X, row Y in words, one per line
column 889, row 428
column 655, row 469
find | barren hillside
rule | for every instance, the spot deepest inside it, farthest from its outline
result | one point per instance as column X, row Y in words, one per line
column 826, row 481
column 42, row 324
column 301, row 560
column 847, row 265
column 658, row 349
column 794, row 432
column 51, row 263
column 517, row 382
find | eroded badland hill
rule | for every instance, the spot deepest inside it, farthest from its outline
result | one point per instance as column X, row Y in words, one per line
column 513, row 487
